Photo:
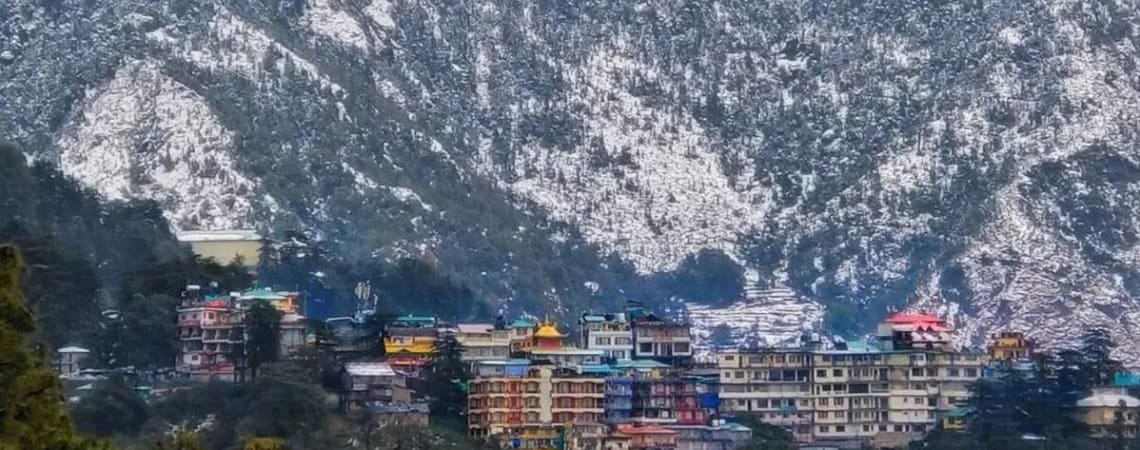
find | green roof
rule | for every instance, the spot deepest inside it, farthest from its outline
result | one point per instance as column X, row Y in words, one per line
column 414, row 318
column 261, row 294
column 640, row 364
column 960, row 411
column 523, row 322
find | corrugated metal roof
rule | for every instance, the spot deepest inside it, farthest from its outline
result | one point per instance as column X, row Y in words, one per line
column 475, row 327
column 369, row 369
column 219, row 235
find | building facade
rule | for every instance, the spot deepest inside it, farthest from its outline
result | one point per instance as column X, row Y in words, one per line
column 366, row 383
column 610, row 333
column 540, row 396
column 484, row 342
column 1009, row 346
column 857, row 393
column 66, row 360
column 410, row 342
column 662, row 340
column 225, row 246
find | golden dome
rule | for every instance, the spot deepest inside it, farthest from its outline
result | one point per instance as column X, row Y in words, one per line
column 548, row 330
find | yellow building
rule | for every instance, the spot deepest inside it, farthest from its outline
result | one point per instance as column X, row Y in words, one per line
column 225, row 246
column 532, row 398
column 856, row 393
column 410, row 341
column 1104, row 408
column 1009, row 346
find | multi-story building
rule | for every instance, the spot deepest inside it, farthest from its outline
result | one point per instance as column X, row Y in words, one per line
column 522, row 334
column 541, row 396
column 410, row 342
column 211, row 331
column 1009, row 346
column 775, row 384
column 610, row 333
column 662, row 340
column 855, row 392
column 366, row 383
column 210, row 336
column 483, row 342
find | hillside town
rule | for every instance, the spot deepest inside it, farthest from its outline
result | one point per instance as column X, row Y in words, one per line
column 628, row 379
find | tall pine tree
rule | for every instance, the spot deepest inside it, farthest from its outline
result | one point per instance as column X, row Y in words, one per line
column 447, row 381
column 263, row 335
column 31, row 415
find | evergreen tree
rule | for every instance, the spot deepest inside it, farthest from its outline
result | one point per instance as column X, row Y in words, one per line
column 263, row 335
column 375, row 329
column 447, row 381
column 31, row 415
column 1099, row 365
column 112, row 408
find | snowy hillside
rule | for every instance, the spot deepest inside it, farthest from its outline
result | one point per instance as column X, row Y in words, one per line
column 975, row 158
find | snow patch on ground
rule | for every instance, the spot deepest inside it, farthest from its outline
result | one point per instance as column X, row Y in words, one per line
column 144, row 135
column 330, row 20
column 234, row 45
column 381, row 12
column 646, row 185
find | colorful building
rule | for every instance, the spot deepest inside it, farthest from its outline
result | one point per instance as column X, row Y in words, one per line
column 857, row 393
column 543, row 396
column 1009, row 346
column 410, row 341
column 210, row 336
column 522, row 333
column 548, row 344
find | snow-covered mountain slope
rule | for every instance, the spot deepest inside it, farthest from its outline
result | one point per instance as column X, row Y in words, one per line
column 977, row 158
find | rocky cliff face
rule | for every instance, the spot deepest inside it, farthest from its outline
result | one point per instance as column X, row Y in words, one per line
column 977, row 158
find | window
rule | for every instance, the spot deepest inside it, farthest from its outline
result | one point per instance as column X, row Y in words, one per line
column 916, row 372
column 726, row 358
column 837, row 372
column 646, row 347
column 739, row 374
column 931, row 372
column 824, row 401
column 840, row 429
column 626, row 341
column 681, row 347
column 824, row 429
column 898, row 428
column 866, row 428
column 972, row 372
column 823, row 414
column 953, row 372
column 882, row 428
column 821, row 373
column 602, row 341
column 839, row 401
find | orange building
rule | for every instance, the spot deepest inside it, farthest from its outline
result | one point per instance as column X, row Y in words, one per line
column 532, row 397
column 1009, row 346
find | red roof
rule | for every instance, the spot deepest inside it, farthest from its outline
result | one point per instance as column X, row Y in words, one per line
column 919, row 321
column 915, row 319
